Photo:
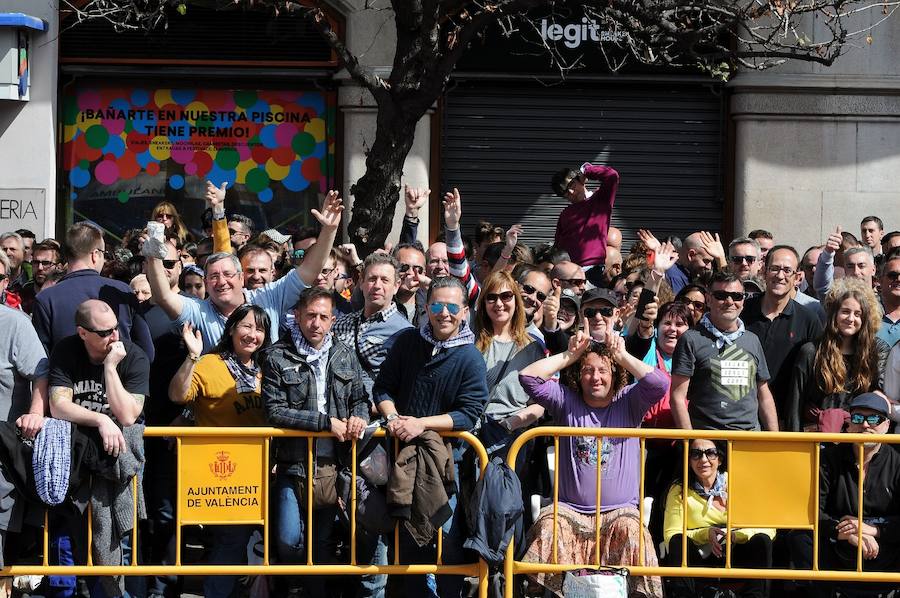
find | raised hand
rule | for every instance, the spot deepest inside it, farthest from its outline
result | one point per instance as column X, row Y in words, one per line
column 215, row 196
column 713, row 245
column 615, row 343
column 414, row 197
column 192, row 339
column 834, row 241
column 330, row 216
column 551, row 308
column 648, row 239
column 512, row 237
column 664, row 257
column 578, row 344
column 348, row 250
column 452, row 209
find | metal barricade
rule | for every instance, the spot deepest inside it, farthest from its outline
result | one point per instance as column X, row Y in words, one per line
column 773, row 482
column 211, row 449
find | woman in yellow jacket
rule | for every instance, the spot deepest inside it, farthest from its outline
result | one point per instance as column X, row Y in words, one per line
column 707, row 503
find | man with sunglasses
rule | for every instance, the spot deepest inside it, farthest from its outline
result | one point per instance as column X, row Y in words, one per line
column 782, row 324
column 433, row 379
column 98, row 380
column 45, row 261
column 583, row 225
column 411, row 269
column 599, row 307
column 744, row 258
column 568, row 276
column 54, row 308
column 719, row 371
column 889, row 331
column 838, row 499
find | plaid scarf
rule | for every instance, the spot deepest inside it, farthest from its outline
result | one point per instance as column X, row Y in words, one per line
column 464, row 336
column 719, row 488
column 245, row 378
column 722, row 338
column 316, row 358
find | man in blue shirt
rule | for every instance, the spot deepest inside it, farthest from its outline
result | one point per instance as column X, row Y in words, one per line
column 225, row 283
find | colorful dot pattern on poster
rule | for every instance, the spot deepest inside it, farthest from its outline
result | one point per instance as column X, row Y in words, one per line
column 250, row 138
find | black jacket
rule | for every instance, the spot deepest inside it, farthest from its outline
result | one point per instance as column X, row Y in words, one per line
column 838, row 488
column 289, row 392
column 495, row 513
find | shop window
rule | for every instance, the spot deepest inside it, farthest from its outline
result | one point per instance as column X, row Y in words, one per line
column 126, row 149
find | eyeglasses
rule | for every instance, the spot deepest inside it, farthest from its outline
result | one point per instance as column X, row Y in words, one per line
column 606, row 312
column 233, row 232
column 571, row 186
column 737, row 259
column 873, row 420
column 42, row 263
column 698, row 305
column 578, row 282
column 102, row 333
column 788, row 271
column 735, row 296
column 343, row 277
column 327, row 271
column 892, row 275
column 169, row 264
column 505, row 297
column 697, row 454
column 405, row 268
column 102, row 251
column 530, row 290
column 221, row 276
column 437, row 307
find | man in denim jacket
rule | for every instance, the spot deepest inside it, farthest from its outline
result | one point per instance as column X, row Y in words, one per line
column 311, row 381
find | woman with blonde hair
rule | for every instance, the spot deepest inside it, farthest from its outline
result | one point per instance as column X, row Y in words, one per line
column 848, row 360
column 507, row 348
column 166, row 213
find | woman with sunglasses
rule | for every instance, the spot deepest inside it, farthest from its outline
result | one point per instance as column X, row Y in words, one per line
column 694, row 297
column 166, row 214
column 849, row 359
column 706, row 518
column 501, row 337
column 222, row 389
column 593, row 392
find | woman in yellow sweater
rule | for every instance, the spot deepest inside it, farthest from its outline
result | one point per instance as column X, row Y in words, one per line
column 707, row 502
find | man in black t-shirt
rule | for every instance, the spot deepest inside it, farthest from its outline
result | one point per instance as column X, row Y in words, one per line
column 96, row 379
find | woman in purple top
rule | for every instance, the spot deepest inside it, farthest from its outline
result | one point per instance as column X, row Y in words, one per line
column 594, row 394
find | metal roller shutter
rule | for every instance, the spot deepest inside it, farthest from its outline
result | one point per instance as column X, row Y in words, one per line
column 502, row 143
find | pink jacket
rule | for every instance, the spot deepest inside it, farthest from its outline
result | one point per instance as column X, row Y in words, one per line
column 582, row 227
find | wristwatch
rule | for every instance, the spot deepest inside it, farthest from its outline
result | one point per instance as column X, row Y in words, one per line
column 391, row 417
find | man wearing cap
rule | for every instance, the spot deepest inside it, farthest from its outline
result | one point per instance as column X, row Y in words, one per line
column 583, row 226
column 599, row 307
column 839, row 495
column 719, row 368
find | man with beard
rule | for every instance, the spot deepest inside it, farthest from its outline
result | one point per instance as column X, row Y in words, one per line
column 257, row 265
column 45, row 261
column 720, row 368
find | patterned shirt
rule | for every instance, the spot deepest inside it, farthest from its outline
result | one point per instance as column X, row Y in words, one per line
column 355, row 325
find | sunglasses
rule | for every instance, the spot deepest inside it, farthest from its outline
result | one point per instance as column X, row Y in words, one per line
column 697, row 454
column 698, row 305
column 298, row 254
column 169, row 264
column 42, row 263
column 892, row 275
column 530, row 290
column 873, row 419
column 733, row 295
column 102, row 333
column 405, row 268
column 737, row 259
column 606, row 312
column 437, row 307
column 505, row 297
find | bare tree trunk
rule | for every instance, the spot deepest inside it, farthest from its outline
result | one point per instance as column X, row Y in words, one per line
column 377, row 192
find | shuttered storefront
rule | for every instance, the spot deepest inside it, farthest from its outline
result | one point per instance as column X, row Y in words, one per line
column 502, row 143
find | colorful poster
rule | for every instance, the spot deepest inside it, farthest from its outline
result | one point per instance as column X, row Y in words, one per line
column 265, row 141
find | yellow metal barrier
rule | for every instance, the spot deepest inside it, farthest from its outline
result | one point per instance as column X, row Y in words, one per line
column 765, row 470
column 210, row 451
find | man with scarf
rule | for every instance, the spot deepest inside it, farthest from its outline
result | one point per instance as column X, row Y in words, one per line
column 311, row 381
column 720, row 368
column 434, row 379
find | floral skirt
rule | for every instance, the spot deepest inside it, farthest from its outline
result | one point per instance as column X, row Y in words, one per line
column 576, row 544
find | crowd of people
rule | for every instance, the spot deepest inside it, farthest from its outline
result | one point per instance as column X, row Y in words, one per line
column 215, row 324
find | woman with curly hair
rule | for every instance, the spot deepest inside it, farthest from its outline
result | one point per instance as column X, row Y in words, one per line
column 501, row 337
column 848, row 360
column 594, row 393
column 166, row 213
